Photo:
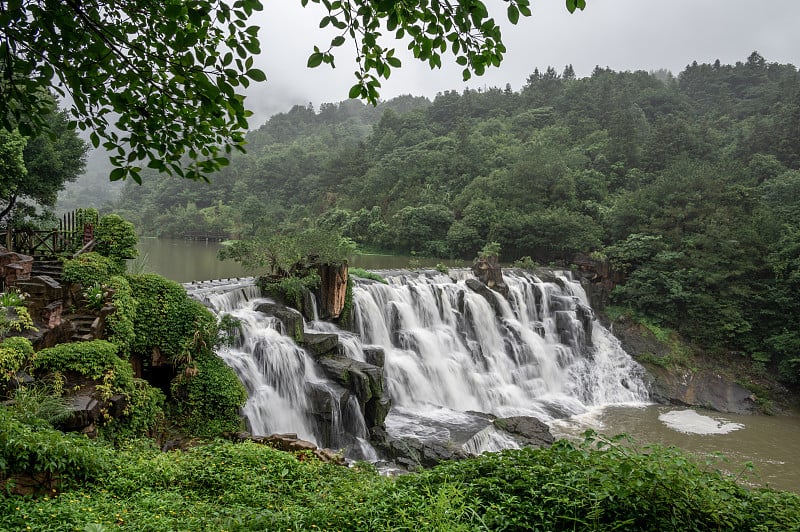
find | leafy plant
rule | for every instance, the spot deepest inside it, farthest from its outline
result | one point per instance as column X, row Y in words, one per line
column 90, row 268
column 15, row 353
column 526, row 263
column 364, row 274
column 490, row 250
column 116, row 239
column 12, row 298
column 95, row 296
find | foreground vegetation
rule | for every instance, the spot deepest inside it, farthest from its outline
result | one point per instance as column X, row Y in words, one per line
column 598, row 485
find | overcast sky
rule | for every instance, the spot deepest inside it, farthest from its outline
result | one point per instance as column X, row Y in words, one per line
column 620, row 34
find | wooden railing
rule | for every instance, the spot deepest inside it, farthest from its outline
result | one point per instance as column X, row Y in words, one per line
column 49, row 243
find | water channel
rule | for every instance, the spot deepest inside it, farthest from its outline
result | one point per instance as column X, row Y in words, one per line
column 770, row 443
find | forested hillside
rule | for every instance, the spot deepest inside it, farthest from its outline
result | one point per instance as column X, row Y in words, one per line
column 691, row 184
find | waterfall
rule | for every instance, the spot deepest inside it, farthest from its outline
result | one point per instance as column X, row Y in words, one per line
column 287, row 391
column 454, row 358
column 449, row 349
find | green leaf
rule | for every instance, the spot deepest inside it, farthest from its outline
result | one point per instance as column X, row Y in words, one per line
column 256, row 75
column 513, row 14
column 315, row 59
column 117, row 174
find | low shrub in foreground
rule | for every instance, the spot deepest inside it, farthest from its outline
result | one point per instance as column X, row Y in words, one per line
column 600, row 485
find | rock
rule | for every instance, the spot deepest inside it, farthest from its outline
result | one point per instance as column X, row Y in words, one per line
column 481, row 289
column 528, row 431
column 290, row 318
column 375, row 355
column 414, row 454
column 320, row 344
column 702, row 388
column 85, row 411
column 489, row 272
column 364, row 380
column 290, row 443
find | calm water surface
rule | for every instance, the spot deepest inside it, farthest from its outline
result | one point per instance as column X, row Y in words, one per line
column 771, row 443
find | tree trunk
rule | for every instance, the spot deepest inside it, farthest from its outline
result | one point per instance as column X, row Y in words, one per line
column 333, row 288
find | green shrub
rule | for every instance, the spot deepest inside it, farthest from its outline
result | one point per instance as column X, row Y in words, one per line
column 526, row 263
column 143, row 415
column 365, row 274
column 290, row 289
column 116, row 238
column 96, row 360
column 15, row 353
column 120, row 323
column 43, row 450
column 90, row 268
column 210, row 398
column 167, row 319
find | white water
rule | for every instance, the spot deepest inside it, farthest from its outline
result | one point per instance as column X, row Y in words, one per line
column 445, row 346
column 448, row 351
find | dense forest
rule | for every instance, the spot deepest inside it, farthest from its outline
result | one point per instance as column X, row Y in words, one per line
column 690, row 185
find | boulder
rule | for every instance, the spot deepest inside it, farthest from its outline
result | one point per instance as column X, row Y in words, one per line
column 320, row 344
column 362, row 379
column 527, row 430
column 412, row 454
column 375, row 355
column 481, row 289
column 290, row 318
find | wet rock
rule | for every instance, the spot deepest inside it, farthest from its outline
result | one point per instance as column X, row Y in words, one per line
column 320, row 344
column 413, row 454
column 290, row 318
column 481, row 289
column 526, row 430
column 375, row 355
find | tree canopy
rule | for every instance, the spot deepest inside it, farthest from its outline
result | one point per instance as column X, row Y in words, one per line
column 33, row 170
column 158, row 83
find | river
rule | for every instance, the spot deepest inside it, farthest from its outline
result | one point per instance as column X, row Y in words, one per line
column 770, row 443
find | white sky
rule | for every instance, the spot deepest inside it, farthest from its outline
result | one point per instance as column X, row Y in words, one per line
column 620, row 34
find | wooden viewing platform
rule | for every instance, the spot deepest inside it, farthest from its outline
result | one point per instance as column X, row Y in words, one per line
column 207, row 236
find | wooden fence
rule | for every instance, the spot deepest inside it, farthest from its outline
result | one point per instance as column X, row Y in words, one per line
column 68, row 237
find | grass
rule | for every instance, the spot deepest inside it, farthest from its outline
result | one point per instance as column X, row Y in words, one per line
column 597, row 485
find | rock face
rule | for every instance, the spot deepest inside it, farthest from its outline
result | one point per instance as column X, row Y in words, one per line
column 363, row 380
column 702, row 388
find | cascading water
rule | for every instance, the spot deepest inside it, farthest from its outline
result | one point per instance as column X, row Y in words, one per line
column 450, row 350
column 281, row 378
column 452, row 356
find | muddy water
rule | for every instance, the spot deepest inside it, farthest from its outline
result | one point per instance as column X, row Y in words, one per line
column 771, row 443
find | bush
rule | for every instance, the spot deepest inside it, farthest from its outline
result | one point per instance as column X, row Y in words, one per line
column 210, row 399
column 96, row 360
column 35, row 450
column 116, row 238
column 15, row 353
column 121, row 329
column 167, row 319
column 90, row 268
